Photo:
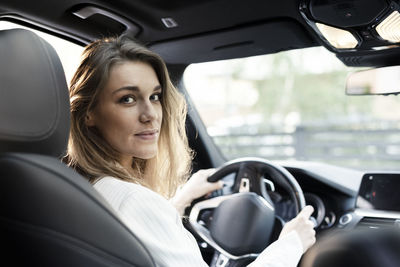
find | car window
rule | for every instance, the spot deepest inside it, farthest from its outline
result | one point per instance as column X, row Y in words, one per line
column 68, row 52
column 292, row 106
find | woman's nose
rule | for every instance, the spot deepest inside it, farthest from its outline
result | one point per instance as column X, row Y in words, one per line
column 148, row 112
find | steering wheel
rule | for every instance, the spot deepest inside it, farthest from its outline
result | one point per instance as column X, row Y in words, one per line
column 240, row 225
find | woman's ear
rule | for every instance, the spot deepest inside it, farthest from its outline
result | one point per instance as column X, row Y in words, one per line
column 89, row 119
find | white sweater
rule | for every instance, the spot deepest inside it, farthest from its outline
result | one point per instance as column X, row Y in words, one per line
column 156, row 222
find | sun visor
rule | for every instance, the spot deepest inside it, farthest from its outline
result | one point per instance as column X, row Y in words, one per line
column 270, row 37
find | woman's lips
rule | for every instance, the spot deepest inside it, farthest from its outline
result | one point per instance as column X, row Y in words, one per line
column 147, row 134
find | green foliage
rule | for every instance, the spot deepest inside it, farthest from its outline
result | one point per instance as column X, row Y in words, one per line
column 316, row 97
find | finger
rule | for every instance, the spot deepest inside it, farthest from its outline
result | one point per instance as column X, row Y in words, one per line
column 210, row 171
column 206, row 171
column 311, row 222
column 215, row 185
column 306, row 211
column 219, row 184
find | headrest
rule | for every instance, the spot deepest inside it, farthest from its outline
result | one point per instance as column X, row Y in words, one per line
column 34, row 101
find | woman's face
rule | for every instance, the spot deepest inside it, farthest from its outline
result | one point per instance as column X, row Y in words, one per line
column 129, row 112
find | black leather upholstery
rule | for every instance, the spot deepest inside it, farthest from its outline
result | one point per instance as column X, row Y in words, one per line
column 360, row 247
column 34, row 113
column 49, row 215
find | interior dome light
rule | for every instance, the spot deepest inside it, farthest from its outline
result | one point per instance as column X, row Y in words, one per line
column 389, row 28
column 338, row 38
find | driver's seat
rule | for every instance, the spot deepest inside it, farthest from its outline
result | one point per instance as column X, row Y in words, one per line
column 49, row 215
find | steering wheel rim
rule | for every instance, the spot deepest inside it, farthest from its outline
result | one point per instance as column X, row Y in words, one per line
column 231, row 166
column 240, row 167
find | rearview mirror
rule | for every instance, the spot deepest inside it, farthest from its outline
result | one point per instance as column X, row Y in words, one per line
column 379, row 81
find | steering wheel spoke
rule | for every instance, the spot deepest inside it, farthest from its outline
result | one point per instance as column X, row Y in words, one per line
column 246, row 178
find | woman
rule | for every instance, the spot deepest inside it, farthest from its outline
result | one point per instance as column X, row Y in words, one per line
column 128, row 138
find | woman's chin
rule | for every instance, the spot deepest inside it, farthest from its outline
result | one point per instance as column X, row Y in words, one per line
column 146, row 154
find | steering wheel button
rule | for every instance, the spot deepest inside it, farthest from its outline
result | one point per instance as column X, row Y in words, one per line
column 244, row 185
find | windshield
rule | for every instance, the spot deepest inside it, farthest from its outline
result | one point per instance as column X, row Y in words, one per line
column 292, row 106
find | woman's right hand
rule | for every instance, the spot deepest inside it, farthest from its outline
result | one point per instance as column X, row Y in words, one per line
column 197, row 186
column 304, row 228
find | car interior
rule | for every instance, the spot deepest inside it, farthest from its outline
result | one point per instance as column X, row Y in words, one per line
column 51, row 216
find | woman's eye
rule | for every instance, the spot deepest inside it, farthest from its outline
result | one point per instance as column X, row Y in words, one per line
column 127, row 100
column 156, row 97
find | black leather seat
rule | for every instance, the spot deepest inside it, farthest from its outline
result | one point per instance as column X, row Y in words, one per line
column 356, row 248
column 49, row 215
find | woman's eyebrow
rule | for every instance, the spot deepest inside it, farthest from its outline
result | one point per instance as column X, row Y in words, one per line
column 134, row 89
column 129, row 88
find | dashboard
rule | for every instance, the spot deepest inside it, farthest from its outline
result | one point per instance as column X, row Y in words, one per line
column 378, row 202
column 329, row 199
column 352, row 199
column 342, row 198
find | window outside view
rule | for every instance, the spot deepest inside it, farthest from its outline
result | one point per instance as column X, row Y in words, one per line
column 292, row 106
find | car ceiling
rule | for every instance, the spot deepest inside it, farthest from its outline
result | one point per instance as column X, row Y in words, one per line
column 207, row 30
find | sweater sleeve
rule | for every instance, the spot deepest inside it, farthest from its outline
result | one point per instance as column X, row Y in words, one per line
column 154, row 221
column 284, row 252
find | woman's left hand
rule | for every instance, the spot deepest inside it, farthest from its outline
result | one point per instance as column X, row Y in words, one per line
column 197, row 186
column 304, row 228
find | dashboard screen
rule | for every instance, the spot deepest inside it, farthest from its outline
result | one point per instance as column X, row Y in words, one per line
column 380, row 191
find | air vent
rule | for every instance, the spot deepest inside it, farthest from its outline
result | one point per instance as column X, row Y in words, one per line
column 376, row 223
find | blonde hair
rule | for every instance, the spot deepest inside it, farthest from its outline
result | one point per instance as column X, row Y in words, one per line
column 91, row 155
